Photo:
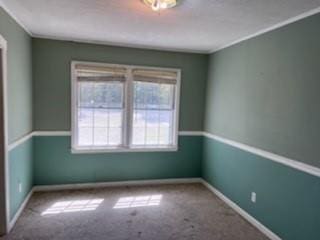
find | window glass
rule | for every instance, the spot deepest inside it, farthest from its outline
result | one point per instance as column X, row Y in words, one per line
column 153, row 111
column 100, row 113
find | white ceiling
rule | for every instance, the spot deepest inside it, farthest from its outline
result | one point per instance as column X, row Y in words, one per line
column 193, row 26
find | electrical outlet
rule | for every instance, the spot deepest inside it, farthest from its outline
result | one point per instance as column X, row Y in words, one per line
column 253, row 197
column 20, row 187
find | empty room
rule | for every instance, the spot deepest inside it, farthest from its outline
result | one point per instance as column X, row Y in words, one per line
column 160, row 120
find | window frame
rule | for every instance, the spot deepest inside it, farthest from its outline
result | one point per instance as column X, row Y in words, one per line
column 128, row 111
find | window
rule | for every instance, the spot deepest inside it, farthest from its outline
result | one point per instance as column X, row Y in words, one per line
column 124, row 108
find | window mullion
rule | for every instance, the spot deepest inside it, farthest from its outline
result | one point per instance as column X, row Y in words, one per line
column 93, row 113
column 75, row 108
column 129, row 109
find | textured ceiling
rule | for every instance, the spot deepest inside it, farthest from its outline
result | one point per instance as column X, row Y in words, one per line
column 193, row 26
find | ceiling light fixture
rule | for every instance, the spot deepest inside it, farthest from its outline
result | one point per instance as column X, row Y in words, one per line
column 157, row 5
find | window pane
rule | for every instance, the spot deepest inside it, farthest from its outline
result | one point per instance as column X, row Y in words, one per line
column 101, row 117
column 139, row 135
column 152, row 136
column 115, row 91
column 115, row 118
column 166, row 96
column 86, row 94
column 100, row 136
column 108, row 95
column 85, row 117
column 100, row 113
column 139, row 96
column 166, row 118
column 139, row 118
column 164, row 136
column 153, row 114
column 85, row 137
column 114, row 136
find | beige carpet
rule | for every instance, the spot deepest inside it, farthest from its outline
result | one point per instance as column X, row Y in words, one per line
column 187, row 211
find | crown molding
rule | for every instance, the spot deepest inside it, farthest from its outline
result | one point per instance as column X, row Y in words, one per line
column 124, row 45
column 269, row 29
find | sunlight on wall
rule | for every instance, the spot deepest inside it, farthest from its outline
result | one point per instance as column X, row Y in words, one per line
column 140, row 201
column 73, row 206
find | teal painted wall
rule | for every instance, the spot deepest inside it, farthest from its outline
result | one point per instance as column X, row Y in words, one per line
column 51, row 69
column 20, row 170
column 287, row 199
column 264, row 92
column 19, row 92
column 19, row 77
column 54, row 163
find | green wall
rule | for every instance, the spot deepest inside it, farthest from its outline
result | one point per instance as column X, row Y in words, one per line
column 287, row 199
column 51, row 71
column 54, row 163
column 19, row 92
column 20, row 171
column 264, row 92
column 19, row 77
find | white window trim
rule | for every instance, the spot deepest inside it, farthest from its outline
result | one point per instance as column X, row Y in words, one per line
column 127, row 114
column 4, row 48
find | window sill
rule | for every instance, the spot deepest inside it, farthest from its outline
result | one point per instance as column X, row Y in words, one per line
column 123, row 150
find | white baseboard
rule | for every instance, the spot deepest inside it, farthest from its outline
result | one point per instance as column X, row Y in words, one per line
column 20, row 210
column 243, row 213
column 115, row 184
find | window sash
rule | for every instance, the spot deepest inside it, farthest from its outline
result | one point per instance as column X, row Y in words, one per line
column 153, row 123
column 97, row 72
column 93, row 110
